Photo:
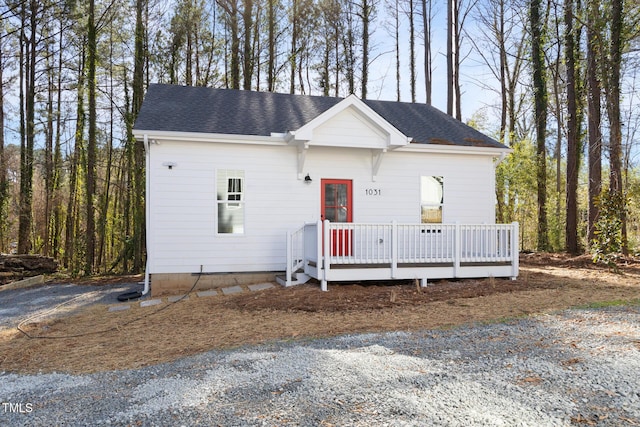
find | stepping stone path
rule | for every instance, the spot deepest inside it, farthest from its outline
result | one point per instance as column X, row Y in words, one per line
column 201, row 294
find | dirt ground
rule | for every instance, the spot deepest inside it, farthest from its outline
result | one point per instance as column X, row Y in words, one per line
column 97, row 340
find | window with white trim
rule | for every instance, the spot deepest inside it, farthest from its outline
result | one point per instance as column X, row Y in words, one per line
column 230, row 195
column 431, row 199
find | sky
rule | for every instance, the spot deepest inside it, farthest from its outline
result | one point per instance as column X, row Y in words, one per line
column 382, row 83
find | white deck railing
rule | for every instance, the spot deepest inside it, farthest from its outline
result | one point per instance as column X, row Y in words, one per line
column 295, row 252
column 402, row 250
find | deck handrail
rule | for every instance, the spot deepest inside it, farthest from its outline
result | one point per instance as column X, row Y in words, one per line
column 320, row 247
column 295, row 253
column 402, row 243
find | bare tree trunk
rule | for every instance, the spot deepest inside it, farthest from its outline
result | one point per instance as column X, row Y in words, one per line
column 231, row 9
column 457, row 30
column 557, row 84
column 70, row 224
column 449, row 58
column 90, row 192
column 26, row 157
column 138, row 241
column 367, row 9
column 412, row 51
column 540, row 101
column 613, row 108
column 247, row 19
column 397, row 40
column 57, row 158
column 3, row 166
column 48, row 155
column 573, row 136
column 594, row 120
column 104, row 197
column 189, row 57
column 426, row 29
column 349, row 44
column 294, row 44
column 271, row 60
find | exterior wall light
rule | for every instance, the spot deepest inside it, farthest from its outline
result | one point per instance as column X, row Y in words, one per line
column 170, row 165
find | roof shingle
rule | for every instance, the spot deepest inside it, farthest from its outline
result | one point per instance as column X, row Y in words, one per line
column 176, row 108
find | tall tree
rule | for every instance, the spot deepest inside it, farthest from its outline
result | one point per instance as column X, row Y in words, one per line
column 367, row 14
column 500, row 43
column 247, row 51
column 57, row 160
column 90, row 168
column 457, row 13
column 330, row 31
column 412, row 49
column 540, row 116
column 295, row 34
column 594, row 92
column 573, row 135
column 614, row 65
column 451, row 25
column 392, row 27
column 28, row 62
column 349, row 42
column 231, row 9
column 48, row 150
column 271, row 45
column 4, row 184
column 427, row 17
column 71, row 221
column 138, row 171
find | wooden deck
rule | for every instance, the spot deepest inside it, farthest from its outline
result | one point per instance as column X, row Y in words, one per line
column 355, row 251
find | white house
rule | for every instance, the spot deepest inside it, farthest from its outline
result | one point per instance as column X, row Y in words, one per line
column 239, row 184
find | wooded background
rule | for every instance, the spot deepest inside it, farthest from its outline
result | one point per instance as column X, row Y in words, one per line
column 563, row 74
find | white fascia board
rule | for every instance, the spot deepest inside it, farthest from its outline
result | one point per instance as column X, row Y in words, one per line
column 454, row 149
column 159, row 136
column 396, row 138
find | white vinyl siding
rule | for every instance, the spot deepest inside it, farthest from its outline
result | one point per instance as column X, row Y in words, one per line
column 349, row 129
column 184, row 200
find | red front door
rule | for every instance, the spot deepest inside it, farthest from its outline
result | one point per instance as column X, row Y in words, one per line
column 337, row 206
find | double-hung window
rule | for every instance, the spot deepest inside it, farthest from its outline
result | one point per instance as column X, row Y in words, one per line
column 230, row 195
column 431, row 199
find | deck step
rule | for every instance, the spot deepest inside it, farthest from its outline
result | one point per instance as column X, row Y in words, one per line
column 297, row 279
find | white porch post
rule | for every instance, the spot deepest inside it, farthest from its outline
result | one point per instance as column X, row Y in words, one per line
column 394, row 249
column 515, row 250
column 327, row 254
column 457, row 254
column 289, row 259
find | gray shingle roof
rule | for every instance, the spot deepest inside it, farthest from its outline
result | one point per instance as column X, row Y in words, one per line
column 225, row 111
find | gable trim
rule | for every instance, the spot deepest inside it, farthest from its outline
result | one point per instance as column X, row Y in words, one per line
column 394, row 138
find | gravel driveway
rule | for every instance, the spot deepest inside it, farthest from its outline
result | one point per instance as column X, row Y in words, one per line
column 17, row 305
column 576, row 367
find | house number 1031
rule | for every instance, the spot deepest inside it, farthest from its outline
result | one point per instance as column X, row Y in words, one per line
column 373, row 192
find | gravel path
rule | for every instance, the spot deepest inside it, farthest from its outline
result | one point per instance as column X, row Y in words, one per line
column 576, row 367
column 17, row 305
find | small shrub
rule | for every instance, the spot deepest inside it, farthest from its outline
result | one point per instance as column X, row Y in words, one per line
column 606, row 246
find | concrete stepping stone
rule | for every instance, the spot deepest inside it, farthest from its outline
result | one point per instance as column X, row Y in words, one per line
column 149, row 303
column 260, row 286
column 209, row 293
column 119, row 307
column 232, row 290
